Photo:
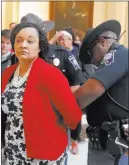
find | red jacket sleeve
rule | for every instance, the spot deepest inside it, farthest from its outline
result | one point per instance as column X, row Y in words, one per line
column 59, row 91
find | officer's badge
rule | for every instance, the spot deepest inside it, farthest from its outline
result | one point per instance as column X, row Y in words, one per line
column 74, row 62
column 56, row 61
column 108, row 58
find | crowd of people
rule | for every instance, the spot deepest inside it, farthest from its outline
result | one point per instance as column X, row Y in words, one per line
column 48, row 84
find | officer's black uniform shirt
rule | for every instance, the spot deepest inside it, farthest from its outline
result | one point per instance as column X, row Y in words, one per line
column 113, row 74
column 62, row 59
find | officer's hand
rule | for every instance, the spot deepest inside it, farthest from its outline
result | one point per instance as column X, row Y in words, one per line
column 56, row 37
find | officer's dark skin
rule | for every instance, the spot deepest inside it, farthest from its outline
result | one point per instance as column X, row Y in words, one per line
column 92, row 88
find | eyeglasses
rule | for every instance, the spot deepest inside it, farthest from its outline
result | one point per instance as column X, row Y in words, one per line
column 90, row 50
column 98, row 39
column 105, row 37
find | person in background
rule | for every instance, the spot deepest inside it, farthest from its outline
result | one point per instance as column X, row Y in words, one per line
column 36, row 116
column 66, row 38
column 5, row 49
column 77, row 40
column 87, row 69
column 12, row 25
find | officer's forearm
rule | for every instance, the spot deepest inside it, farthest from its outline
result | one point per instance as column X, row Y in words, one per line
column 89, row 92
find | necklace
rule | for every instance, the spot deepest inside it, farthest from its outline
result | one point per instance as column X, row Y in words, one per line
column 17, row 80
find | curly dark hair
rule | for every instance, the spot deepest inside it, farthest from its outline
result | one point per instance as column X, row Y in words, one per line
column 43, row 42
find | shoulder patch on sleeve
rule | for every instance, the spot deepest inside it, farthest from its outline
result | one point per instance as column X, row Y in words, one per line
column 108, row 58
column 74, row 62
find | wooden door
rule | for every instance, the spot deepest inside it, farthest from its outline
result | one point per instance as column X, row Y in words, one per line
column 78, row 15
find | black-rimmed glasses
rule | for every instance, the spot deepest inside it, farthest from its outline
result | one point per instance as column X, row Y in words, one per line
column 105, row 37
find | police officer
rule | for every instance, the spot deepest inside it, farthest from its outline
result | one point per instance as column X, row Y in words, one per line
column 105, row 93
column 61, row 58
column 66, row 38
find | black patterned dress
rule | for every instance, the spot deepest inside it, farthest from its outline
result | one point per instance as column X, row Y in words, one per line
column 15, row 148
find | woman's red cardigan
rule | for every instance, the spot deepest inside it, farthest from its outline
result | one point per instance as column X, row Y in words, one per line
column 45, row 137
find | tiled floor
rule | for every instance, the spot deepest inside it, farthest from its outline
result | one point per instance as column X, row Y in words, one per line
column 81, row 158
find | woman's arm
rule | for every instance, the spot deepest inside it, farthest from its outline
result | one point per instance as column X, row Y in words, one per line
column 58, row 89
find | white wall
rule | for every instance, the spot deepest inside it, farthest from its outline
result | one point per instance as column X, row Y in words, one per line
column 39, row 8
